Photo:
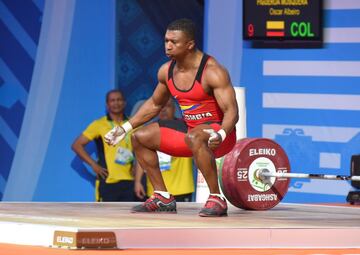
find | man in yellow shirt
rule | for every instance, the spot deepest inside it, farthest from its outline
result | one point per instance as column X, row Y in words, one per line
column 115, row 181
column 176, row 171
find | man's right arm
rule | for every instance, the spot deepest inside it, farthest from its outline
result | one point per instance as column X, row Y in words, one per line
column 155, row 103
column 79, row 148
column 147, row 111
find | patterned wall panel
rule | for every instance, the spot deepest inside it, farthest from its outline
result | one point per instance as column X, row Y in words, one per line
column 20, row 23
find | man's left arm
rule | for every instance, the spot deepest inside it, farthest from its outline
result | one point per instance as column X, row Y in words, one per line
column 224, row 93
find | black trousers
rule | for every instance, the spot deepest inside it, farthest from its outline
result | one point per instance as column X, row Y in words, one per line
column 120, row 191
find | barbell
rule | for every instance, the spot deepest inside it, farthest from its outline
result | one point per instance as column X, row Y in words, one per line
column 255, row 175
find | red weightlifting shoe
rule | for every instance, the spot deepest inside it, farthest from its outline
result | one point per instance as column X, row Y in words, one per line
column 157, row 203
column 214, row 207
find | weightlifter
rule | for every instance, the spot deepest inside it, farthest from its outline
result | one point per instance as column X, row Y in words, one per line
column 203, row 90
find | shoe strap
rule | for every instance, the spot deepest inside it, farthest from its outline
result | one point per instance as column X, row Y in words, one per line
column 222, row 204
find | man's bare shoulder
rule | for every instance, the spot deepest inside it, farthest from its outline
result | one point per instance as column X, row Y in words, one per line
column 162, row 73
column 215, row 66
column 216, row 73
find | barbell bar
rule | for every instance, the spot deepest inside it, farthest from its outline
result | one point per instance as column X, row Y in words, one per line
column 256, row 174
column 264, row 174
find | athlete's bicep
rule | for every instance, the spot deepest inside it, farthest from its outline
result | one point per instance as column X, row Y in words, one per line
column 225, row 97
column 161, row 95
column 224, row 94
column 219, row 81
column 153, row 105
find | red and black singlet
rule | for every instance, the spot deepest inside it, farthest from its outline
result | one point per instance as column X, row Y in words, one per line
column 196, row 105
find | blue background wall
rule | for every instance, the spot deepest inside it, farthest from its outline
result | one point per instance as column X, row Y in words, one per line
column 305, row 99
column 308, row 101
column 57, row 60
column 19, row 33
column 72, row 68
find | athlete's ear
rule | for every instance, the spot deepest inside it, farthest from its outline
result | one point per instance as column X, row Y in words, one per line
column 191, row 44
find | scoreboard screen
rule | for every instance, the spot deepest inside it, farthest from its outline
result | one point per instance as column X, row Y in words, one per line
column 289, row 20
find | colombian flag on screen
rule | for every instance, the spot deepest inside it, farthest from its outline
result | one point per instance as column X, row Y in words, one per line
column 275, row 28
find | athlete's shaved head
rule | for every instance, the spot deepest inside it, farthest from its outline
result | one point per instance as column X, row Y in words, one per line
column 185, row 25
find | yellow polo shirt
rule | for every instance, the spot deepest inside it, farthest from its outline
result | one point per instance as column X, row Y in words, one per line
column 178, row 177
column 116, row 159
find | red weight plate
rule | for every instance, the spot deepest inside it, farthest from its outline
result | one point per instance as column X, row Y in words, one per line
column 238, row 179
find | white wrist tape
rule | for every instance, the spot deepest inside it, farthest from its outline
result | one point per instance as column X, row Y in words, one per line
column 222, row 133
column 127, row 126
